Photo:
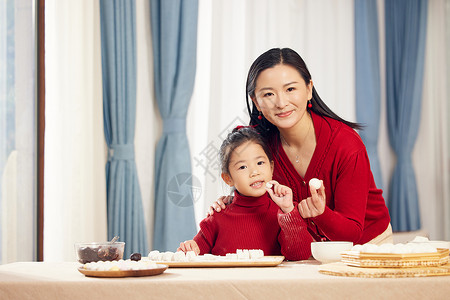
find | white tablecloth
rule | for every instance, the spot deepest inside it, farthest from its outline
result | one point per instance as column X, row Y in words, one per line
column 290, row 280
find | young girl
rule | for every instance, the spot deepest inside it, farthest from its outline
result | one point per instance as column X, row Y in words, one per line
column 253, row 220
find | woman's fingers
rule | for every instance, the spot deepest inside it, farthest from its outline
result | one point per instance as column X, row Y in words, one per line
column 219, row 204
column 317, row 203
column 304, row 209
column 227, row 200
column 222, row 202
column 210, row 211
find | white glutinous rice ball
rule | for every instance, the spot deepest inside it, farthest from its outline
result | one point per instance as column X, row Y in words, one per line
column 427, row 248
column 269, row 185
column 134, row 265
column 124, row 266
column 191, row 256
column 256, row 253
column 420, row 239
column 369, row 248
column 386, row 248
column 243, row 254
column 153, row 255
column 231, row 256
column 401, row 249
column 167, row 256
column 357, row 248
column 240, row 254
column 315, row 183
column 209, row 256
column 179, row 256
column 418, row 248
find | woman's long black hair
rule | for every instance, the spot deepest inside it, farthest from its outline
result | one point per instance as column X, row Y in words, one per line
column 285, row 56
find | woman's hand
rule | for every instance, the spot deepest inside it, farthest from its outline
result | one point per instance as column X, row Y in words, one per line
column 315, row 205
column 190, row 245
column 220, row 204
column 281, row 195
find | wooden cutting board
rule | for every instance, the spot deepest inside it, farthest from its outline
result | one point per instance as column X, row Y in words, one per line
column 266, row 261
column 341, row 269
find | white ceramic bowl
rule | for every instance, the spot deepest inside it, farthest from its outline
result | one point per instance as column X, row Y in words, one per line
column 329, row 251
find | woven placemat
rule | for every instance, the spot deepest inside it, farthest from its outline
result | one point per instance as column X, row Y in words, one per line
column 341, row 269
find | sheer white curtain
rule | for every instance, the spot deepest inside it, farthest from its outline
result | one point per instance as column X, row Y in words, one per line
column 75, row 153
column 148, row 119
column 231, row 35
column 447, row 80
column 17, row 131
column 431, row 153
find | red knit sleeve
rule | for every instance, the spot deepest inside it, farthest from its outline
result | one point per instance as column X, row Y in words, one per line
column 206, row 237
column 294, row 238
column 345, row 222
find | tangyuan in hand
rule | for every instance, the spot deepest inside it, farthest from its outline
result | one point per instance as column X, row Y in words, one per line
column 315, row 183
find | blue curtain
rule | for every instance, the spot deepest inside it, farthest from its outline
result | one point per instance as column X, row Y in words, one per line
column 405, row 46
column 368, row 80
column 174, row 35
column 118, row 37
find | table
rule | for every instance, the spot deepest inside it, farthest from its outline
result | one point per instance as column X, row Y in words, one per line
column 290, row 280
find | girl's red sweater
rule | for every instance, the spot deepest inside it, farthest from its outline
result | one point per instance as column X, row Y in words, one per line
column 255, row 223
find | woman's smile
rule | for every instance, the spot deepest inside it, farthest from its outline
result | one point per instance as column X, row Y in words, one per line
column 284, row 114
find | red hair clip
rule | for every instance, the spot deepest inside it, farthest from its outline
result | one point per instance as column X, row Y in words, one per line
column 239, row 127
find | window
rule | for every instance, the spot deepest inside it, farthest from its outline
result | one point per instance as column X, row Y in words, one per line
column 17, row 131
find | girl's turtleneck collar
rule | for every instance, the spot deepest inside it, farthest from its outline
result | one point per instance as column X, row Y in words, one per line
column 249, row 201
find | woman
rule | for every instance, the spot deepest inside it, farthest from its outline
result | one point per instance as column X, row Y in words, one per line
column 309, row 141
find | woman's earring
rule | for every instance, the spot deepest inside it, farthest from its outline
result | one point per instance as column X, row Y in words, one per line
column 309, row 103
column 260, row 116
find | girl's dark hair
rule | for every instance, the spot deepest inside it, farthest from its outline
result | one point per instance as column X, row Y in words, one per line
column 270, row 59
column 237, row 137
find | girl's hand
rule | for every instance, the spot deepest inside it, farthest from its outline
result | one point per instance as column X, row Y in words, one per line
column 281, row 195
column 220, row 204
column 190, row 245
column 315, row 205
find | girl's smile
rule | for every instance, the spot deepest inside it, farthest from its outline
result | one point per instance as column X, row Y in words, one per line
column 257, row 184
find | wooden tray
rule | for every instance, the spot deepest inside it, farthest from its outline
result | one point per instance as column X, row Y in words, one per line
column 341, row 269
column 388, row 260
column 266, row 261
column 131, row 273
